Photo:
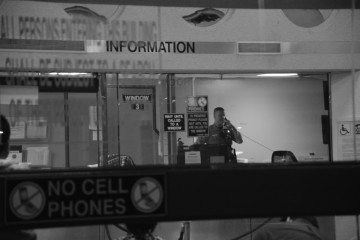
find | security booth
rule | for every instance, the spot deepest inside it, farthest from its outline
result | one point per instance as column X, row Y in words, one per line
column 111, row 110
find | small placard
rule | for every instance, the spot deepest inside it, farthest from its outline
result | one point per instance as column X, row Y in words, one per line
column 198, row 124
column 174, row 122
column 137, row 98
column 138, row 106
column 192, row 157
column 17, row 130
column 197, row 104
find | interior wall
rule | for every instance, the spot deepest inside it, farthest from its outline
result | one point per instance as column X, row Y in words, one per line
column 342, row 88
column 342, row 109
column 274, row 114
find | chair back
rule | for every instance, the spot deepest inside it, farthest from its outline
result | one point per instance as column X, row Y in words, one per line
column 283, row 157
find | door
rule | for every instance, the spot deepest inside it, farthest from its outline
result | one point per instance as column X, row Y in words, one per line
column 137, row 123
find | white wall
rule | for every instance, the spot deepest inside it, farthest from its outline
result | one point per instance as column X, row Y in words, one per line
column 281, row 114
column 342, row 103
column 342, row 109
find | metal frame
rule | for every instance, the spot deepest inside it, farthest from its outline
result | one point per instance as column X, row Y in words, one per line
column 225, row 191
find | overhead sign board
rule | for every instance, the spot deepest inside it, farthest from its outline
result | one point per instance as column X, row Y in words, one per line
column 53, row 84
column 174, row 122
column 83, row 198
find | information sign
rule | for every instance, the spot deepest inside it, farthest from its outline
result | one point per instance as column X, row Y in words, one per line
column 174, row 122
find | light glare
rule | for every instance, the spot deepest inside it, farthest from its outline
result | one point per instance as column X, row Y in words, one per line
column 278, row 75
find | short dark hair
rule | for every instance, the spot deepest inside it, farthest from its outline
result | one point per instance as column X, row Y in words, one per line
column 5, row 128
column 218, row 109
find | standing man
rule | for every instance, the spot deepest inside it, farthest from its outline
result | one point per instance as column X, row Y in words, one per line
column 222, row 132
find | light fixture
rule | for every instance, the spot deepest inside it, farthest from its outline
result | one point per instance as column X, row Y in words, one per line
column 1, row 132
column 67, row 73
column 278, row 75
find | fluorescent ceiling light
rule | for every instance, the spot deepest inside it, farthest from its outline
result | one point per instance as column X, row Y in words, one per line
column 67, row 73
column 1, row 132
column 278, row 75
column 215, row 76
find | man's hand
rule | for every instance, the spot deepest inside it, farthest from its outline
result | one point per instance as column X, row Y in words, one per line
column 227, row 123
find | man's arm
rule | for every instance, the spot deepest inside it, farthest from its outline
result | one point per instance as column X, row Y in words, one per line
column 200, row 141
column 235, row 134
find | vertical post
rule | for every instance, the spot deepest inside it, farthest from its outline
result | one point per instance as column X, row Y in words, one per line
column 357, row 227
column 353, row 73
column 193, row 93
column 103, row 102
column 328, row 76
column 67, row 129
column 187, row 230
column 171, row 108
column 193, row 86
column 118, row 114
column 98, row 122
column 101, row 119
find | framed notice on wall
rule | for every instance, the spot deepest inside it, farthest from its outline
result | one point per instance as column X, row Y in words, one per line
column 174, row 122
column 197, row 116
column 197, row 104
column 198, row 124
column 17, row 130
column 348, row 140
column 29, row 129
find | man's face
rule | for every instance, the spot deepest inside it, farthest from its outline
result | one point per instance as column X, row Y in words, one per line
column 219, row 117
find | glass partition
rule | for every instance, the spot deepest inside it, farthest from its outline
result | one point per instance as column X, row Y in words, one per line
column 108, row 85
column 271, row 113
